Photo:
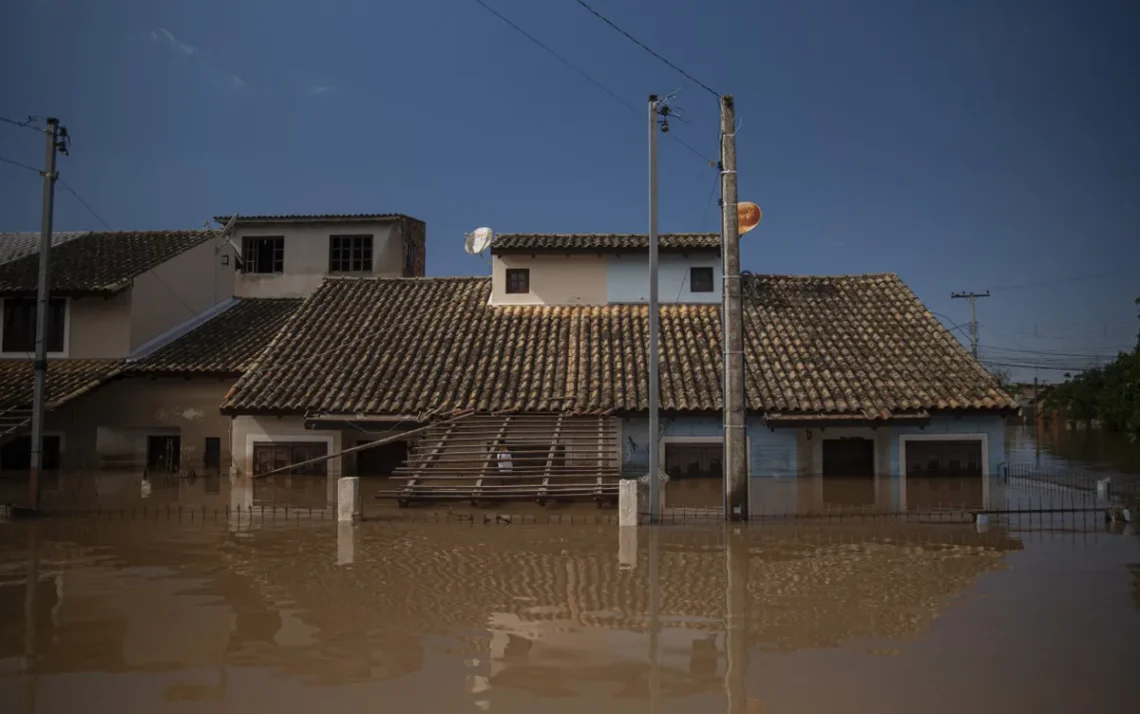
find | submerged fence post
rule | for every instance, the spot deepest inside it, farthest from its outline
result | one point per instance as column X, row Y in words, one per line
column 348, row 505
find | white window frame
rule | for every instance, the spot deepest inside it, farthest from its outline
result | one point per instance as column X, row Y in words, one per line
column 980, row 437
column 31, row 355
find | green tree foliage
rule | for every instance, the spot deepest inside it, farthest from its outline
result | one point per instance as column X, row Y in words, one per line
column 1110, row 394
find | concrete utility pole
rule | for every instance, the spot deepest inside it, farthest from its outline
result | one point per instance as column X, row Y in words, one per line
column 735, row 454
column 654, row 378
column 973, row 317
column 39, row 386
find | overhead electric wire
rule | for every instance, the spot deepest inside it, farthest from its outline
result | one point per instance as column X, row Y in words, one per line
column 23, row 166
column 85, row 204
column 584, row 74
column 649, row 49
column 106, row 225
column 22, row 124
column 559, row 57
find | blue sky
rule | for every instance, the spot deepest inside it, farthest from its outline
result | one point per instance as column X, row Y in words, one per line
column 968, row 145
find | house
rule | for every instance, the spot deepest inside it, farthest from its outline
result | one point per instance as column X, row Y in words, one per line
column 287, row 256
column 149, row 330
column 848, row 378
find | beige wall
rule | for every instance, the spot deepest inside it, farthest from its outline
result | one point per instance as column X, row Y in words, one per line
column 108, row 427
column 248, row 430
column 177, row 290
column 99, row 328
column 554, row 279
column 307, row 255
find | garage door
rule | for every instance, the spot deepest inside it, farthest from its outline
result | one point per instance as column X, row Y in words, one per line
column 944, row 474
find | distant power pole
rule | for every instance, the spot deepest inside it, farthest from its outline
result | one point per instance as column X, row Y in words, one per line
column 39, row 385
column 735, row 452
column 973, row 317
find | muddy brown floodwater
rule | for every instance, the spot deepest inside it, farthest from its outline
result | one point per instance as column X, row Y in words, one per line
column 141, row 616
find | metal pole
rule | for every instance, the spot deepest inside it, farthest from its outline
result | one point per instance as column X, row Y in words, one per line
column 654, row 385
column 735, row 452
column 42, row 302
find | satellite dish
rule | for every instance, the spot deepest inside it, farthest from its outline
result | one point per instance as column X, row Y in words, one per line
column 478, row 240
column 748, row 216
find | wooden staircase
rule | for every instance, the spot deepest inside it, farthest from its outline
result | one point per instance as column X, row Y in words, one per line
column 517, row 457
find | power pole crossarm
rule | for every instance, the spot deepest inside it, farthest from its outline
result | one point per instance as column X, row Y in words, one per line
column 735, row 454
column 973, row 317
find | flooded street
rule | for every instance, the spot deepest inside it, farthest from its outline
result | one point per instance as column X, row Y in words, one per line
column 154, row 616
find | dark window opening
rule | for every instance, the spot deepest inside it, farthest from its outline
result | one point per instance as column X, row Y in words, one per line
column 381, row 460
column 694, row 460
column 213, row 455
column 701, row 280
column 270, row 457
column 263, row 255
column 16, row 455
column 20, row 324
column 163, row 453
column 350, row 254
column 518, row 280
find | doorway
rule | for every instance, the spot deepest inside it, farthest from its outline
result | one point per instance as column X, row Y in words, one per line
column 212, row 457
column 849, row 472
column 381, row 460
column 163, row 453
column 16, row 455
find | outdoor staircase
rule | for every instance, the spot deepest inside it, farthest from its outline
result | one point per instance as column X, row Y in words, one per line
column 13, row 421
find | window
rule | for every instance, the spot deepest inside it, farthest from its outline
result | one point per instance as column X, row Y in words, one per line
column 264, row 254
column 350, row 254
column 20, row 324
column 518, row 280
column 271, row 456
column 701, row 280
column 694, row 460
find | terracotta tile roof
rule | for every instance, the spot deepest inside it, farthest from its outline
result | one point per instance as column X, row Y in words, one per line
column 66, row 380
column 225, row 344
column 859, row 345
column 14, row 246
column 100, row 262
column 601, row 242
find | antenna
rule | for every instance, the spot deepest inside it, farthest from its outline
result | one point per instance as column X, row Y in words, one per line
column 478, row 241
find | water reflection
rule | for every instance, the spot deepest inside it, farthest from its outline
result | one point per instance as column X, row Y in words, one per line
column 495, row 618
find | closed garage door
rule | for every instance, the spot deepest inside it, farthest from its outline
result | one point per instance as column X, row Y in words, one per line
column 942, row 474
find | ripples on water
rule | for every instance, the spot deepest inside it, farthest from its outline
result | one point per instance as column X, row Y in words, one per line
column 145, row 617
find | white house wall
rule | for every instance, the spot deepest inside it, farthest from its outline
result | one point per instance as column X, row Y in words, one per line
column 627, row 277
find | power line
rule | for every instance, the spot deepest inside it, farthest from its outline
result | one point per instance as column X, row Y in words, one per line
column 649, row 49
column 23, row 166
column 22, row 124
column 106, row 225
column 583, row 73
column 85, row 204
column 559, row 57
